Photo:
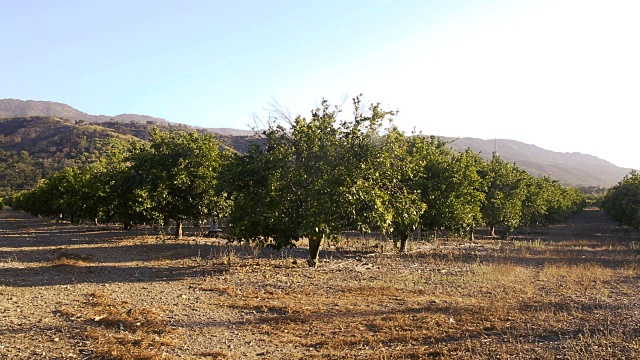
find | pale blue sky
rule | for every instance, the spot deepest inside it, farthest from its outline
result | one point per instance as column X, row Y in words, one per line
column 564, row 75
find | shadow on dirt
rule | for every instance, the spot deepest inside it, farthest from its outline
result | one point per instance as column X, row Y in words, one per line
column 147, row 252
column 50, row 275
column 277, row 320
column 104, row 253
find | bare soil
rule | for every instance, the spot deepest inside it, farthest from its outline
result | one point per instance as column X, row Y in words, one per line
column 81, row 292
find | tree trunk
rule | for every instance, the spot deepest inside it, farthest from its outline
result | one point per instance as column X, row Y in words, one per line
column 314, row 250
column 472, row 236
column 493, row 230
column 404, row 238
column 178, row 229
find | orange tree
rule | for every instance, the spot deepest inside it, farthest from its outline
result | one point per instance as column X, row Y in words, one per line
column 622, row 201
column 174, row 177
column 313, row 178
column 400, row 167
column 60, row 194
column 451, row 186
column 505, row 193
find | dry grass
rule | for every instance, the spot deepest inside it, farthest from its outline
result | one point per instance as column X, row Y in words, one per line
column 444, row 303
column 70, row 259
column 118, row 331
column 566, row 292
column 366, row 322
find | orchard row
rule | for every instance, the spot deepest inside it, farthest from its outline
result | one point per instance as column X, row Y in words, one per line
column 306, row 178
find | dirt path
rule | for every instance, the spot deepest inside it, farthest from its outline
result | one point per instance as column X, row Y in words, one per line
column 81, row 292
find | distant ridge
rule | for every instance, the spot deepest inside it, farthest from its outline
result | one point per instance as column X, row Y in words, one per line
column 231, row 132
column 27, row 108
column 574, row 169
column 10, row 108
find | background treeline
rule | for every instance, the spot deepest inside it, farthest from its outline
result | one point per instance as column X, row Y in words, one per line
column 34, row 148
column 622, row 201
column 305, row 178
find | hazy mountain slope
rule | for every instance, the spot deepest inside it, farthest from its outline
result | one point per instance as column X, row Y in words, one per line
column 231, row 132
column 32, row 148
column 26, row 108
column 49, row 137
column 570, row 168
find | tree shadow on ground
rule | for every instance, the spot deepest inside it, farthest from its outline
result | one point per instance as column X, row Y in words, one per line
column 468, row 324
column 117, row 253
column 607, row 259
column 51, row 275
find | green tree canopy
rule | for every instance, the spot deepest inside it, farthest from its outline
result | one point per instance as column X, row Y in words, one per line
column 175, row 177
column 451, row 186
column 506, row 191
column 319, row 176
column 622, row 201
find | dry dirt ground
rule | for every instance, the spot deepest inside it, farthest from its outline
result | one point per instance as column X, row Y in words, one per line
column 81, row 292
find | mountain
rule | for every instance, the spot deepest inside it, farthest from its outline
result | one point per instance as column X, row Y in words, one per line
column 231, row 132
column 35, row 147
column 32, row 148
column 573, row 168
column 26, row 108
column 22, row 134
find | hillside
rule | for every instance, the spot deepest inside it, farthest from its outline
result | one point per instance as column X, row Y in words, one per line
column 570, row 168
column 26, row 108
column 22, row 108
column 32, row 148
column 35, row 147
column 48, row 137
column 17, row 134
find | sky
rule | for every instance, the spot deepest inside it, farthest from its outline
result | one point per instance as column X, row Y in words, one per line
column 560, row 74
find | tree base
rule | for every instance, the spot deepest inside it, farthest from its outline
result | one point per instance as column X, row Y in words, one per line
column 314, row 251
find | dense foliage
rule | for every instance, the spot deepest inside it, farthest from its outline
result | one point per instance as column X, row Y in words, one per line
column 175, row 177
column 305, row 179
column 593, row 194
column 34, row 148
column 622, row 201
column 451, row 186
column 172, row 177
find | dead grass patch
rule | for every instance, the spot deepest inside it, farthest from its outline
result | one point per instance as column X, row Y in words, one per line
column 70, row 259
column 554, row 296
column 118, row 331
column 450, row 309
